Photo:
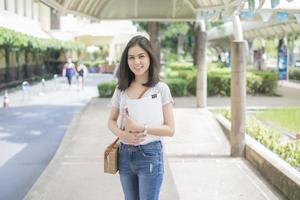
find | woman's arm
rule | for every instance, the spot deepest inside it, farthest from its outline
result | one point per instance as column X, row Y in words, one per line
column 130, row 138
column 167, row 129
column 112, row 122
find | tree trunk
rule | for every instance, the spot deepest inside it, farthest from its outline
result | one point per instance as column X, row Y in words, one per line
column 25, row 66
column 180, row 52
column 18, row 64
column 196, row 45
column 153, row 29
column 7, row 76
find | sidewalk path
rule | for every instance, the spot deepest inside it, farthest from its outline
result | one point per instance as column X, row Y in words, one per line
column 31, row 130
column 197, row 166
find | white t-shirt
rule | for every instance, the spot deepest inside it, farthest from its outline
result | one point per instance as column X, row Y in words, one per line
column 119, row 98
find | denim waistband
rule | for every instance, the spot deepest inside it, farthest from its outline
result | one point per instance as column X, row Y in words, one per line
column 155, row 144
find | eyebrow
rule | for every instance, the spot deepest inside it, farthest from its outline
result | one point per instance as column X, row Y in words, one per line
column 138, row 54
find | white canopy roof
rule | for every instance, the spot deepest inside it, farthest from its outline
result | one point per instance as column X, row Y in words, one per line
column 143, row 10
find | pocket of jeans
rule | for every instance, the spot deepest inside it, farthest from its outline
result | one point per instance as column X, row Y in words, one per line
column 150, row 152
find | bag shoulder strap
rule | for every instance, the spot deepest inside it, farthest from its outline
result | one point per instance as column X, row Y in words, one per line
column 143, row 92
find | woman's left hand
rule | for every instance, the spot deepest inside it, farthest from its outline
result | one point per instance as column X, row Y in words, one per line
column 132, row 125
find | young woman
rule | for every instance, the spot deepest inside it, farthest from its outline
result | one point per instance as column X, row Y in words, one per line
column 81, row 72
column 141, row 164
column 69, row 71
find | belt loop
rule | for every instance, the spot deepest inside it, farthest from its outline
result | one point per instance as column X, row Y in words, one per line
column 139, row 147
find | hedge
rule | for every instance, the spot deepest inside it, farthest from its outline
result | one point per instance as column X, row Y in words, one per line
column 107, row 89
column 289, row 151
column 218, row 82
column 178, row 87
column 294, row 73
column 183, row 83
column 15, row 40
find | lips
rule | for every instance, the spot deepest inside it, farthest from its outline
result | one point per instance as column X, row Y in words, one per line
column 138, row 67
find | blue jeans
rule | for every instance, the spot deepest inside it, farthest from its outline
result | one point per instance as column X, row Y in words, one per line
column 141, row 170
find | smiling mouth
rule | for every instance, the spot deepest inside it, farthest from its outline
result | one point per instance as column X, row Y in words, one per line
column 139, row 67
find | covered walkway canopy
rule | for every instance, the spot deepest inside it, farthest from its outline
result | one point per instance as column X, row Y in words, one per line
column 144, row 10
column 267, row 22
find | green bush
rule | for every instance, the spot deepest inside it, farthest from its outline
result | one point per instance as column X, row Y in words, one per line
column 172, row 57
column 253, row 83
column 219, row 80
column 15, row 40
column 180, row 66
column 289, row 151
column 269, row 82
column 178, row 87
column 218, row 84
column 191, row 84
column 106, row 89
column 216, row 65
column 87, row 63
column 294, row 73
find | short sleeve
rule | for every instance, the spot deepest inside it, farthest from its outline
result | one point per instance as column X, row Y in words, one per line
column 165, row 92
column 115, row 100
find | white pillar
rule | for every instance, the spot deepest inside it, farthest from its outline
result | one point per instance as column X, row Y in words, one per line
column 11, row 6
column 237, row 28
column 44, row 16
column 111, row 52
column 36, row 11
column 238, row 90
column 28, row 7
column 1, row 5
column 20, row 7
column 201, row 87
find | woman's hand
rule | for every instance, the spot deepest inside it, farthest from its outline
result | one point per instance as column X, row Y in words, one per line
column 132, row 125
column 133, row 138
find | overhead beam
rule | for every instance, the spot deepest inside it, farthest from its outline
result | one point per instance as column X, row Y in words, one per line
column 190, row 5
column 101, row 5
column 80, row 6
column 88, row 6
column 173, row 8
column 135, row 8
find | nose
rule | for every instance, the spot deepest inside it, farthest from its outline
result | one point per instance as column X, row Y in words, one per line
column 137, row 61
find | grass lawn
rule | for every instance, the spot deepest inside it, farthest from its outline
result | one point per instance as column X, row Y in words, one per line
column 287, row 118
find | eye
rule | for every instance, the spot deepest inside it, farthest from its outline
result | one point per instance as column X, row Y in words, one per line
column 141, row 56
column 130, row 58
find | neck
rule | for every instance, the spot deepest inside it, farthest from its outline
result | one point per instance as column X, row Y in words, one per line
column 141, row 79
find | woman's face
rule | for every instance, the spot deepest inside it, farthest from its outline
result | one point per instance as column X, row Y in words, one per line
column 138, row 60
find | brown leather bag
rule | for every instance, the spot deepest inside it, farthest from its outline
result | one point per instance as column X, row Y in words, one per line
column 111, row 153
column 111, row 158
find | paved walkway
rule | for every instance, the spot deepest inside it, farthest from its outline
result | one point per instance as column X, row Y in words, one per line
column 32, row 128
column 198, row 165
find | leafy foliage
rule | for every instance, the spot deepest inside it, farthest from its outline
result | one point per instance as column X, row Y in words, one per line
column 289, row 151
column 14, row 40
column 107, row 89
column 294, row 73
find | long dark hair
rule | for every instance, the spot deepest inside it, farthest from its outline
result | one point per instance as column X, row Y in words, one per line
column 126, row 76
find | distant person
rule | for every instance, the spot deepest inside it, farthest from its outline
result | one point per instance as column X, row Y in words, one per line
column 69, row 71
column 81, row 72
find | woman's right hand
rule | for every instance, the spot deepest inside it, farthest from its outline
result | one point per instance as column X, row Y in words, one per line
column 133, row 138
